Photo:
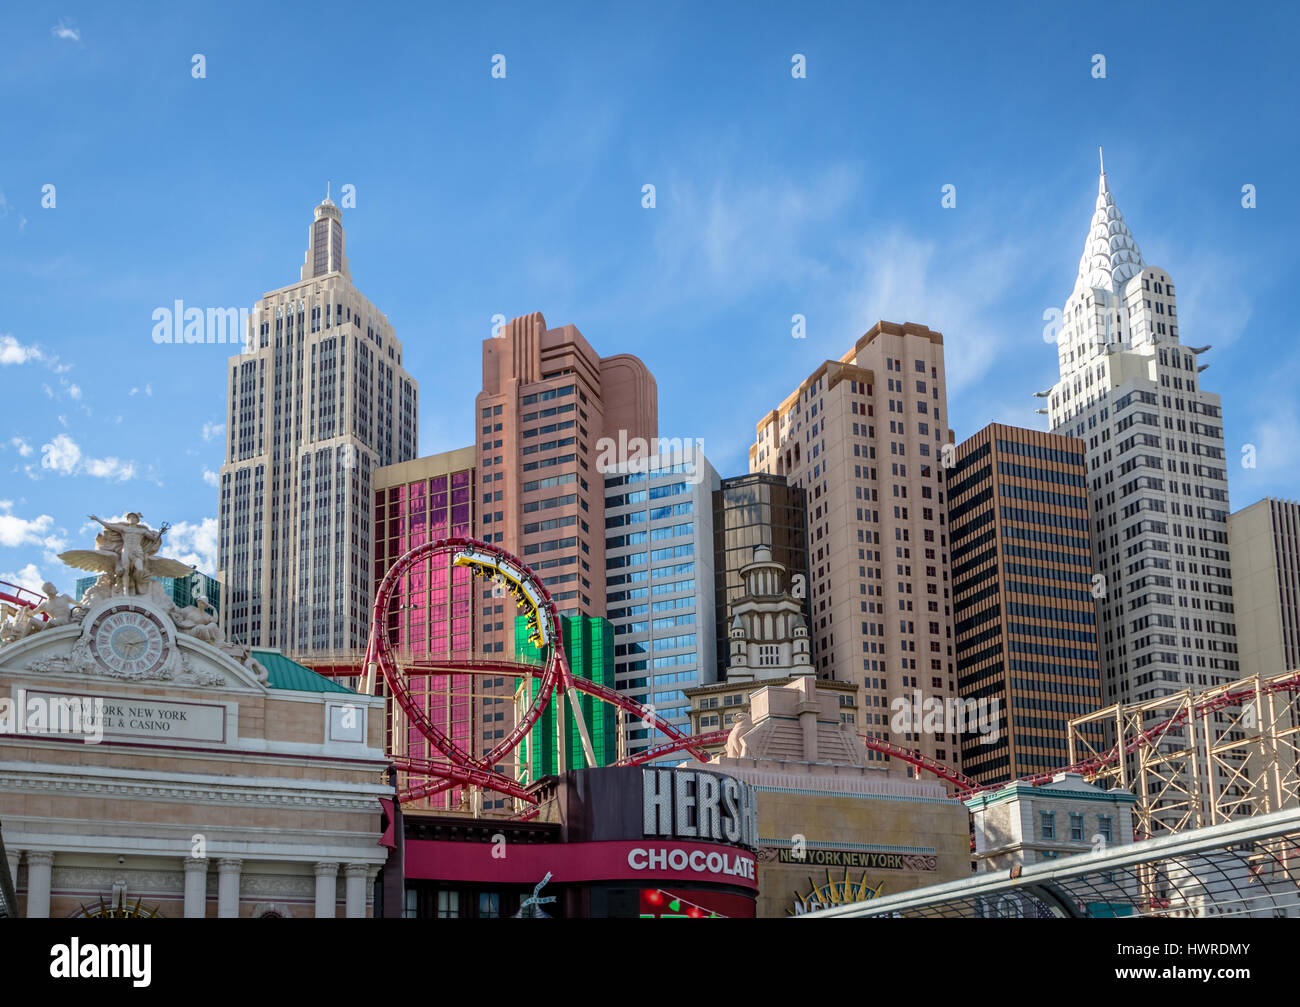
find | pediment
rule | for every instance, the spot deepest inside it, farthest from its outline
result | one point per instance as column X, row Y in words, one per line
column 86, row 651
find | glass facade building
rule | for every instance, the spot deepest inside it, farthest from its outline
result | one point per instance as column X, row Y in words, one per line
column 432, row 616
column 749, row 511
column 589, row 645
column 660, row 585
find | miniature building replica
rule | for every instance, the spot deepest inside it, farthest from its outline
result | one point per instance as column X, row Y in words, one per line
column 151, row 768
column 832, row 827
column 768, row 635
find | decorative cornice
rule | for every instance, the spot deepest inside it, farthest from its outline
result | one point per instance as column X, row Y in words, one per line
column 324, row 797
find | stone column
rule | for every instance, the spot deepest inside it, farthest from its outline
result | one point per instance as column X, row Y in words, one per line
column 15, row 858
column 39, row 865
column 196, row 887
column 228, row 887
column 356, row 890
column 327, row 874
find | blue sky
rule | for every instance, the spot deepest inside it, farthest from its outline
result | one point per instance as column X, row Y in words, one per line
column 477, row 196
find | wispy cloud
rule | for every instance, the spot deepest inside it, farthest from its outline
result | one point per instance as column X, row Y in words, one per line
column 210, row 477
column 211, row 431
column 67, row 30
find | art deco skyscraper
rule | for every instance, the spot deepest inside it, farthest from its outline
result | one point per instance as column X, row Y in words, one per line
column 317, row 401
column 1130, row 390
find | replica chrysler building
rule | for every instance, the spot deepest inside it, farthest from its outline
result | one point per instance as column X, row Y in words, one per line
column 1157, row 479
column 317, row 402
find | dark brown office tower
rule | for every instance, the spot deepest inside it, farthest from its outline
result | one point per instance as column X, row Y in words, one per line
column 748, row 511
column 1023, row 603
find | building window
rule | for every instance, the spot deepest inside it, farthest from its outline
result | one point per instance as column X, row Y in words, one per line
column 1076, row 827
column 1047, row 824
column 448, row 905
column 489, row 905
column 1104, row 827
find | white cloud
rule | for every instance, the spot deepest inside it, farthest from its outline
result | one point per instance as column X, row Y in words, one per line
column 210, row 477
column 22, row 446
column 65, row 29
column 74, row 391
column 16, row 531
column 110, row 468
column 194, row 544
column 28, row 577
column 14, row 352
column 61, row 454
column 213, row 430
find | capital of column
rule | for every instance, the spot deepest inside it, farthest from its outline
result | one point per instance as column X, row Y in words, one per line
column 193, row 864
column 40, row 858
column 226, row 865
column 357, row 870
column 327, row 869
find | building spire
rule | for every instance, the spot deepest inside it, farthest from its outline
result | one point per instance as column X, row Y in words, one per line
column 1111, row 256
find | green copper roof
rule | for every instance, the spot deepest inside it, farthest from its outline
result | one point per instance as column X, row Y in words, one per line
column 282, row 673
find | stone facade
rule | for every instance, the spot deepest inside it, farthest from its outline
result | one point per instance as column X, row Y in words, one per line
column 1022, row 824
column 193, row 789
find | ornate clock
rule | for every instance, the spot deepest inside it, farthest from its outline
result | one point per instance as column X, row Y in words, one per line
column 129, row 640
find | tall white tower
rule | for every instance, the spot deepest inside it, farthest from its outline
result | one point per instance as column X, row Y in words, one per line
column 316, row 403
column 1157, row 475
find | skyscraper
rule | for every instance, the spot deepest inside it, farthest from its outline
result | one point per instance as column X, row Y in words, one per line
column 1023, row 611
column 318, row 400
column 660, row 584
column 1130, row 390
column 1265, row 547
column 547, row 401
column 863, row 436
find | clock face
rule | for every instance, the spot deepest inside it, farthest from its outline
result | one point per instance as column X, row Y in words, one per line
column 130, row 641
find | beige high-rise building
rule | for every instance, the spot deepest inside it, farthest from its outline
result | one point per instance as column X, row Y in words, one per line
column 318, row 401
column 864, row 436
column 1264, row 540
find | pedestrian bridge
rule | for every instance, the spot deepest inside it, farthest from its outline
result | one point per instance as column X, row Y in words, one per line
column 1246, row 868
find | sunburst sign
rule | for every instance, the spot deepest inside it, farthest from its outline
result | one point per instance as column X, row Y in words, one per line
column 834, row 893
column 120, row 909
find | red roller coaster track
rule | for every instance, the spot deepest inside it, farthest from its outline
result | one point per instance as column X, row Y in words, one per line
column 15, row 595
column 461, row 768
column 553, row 673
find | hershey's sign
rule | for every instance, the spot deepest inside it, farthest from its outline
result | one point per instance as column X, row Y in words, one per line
column 694, row 804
